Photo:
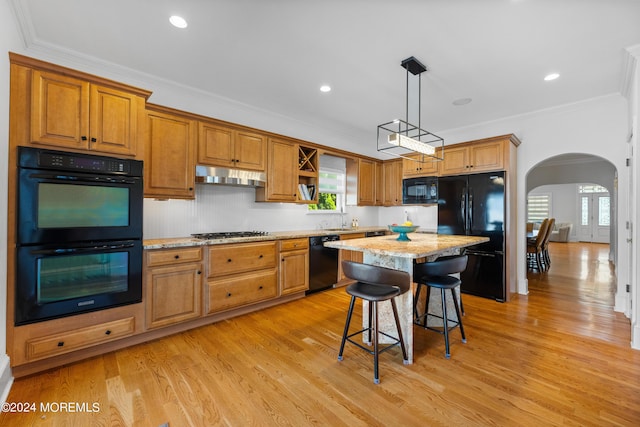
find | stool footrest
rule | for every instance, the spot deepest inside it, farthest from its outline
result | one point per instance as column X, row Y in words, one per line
column 386, row 347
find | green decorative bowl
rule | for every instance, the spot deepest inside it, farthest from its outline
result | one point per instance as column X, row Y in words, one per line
column 403, row 230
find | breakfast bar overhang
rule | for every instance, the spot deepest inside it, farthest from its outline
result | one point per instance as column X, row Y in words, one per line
column 387, row 251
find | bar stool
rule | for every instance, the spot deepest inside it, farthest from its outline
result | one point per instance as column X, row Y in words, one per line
column 437, row 274
column 374, row 284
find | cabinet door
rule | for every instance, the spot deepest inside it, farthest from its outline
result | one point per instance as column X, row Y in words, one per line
column 282, row 172
column 393, row 183
column 379, row 184
column 294, row 271
column 487, row 156
column 419, row 165
column 169, row 167
column 249, row 150
column 215, row 145
column 59, row 111
column 347, row 255
column 456, row 161
column 114, row 121
column 173, row 294
column 366, row 183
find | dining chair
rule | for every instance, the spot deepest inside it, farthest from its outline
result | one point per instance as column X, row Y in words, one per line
column 535, row 247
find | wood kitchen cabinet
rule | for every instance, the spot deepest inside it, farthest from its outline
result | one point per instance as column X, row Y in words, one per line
column 347, row 255
column 419, row 165
column 282, row 173
column 170, row 162
column 361, row 182
column 392, row 183
column 231, row 147
column 294, row 265
column 477, row 156
column 173, row 286
column 379, row 183
column 289, row 166
column 241, row 274
column 66, row 109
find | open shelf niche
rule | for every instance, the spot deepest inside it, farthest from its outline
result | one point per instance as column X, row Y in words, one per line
column 307, row 175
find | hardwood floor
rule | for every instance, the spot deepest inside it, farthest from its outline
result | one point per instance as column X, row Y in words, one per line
column 559, row 356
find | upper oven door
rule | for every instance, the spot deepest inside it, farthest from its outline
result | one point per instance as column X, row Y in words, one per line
column 58, row 207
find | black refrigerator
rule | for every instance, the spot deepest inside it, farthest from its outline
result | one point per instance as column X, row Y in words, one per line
column 474, row 205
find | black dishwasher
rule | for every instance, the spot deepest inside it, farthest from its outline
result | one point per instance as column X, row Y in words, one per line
column 323, row 263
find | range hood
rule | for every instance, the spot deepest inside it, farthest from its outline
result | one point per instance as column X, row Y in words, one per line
column 227, row 176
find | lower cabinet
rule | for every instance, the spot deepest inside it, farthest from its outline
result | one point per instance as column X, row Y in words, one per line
column 347, row 255
column 294, row 265
column 241, row 274
column 173, row 279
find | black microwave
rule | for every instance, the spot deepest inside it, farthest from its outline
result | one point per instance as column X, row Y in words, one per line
column 420, row 191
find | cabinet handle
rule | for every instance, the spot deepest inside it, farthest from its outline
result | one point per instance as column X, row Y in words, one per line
column 199, row 272
column 107, row 332
column 60, row 343
column 261, row 256
column 190, row 188
column 229, row 260
column 228, row 294
column 177, row 256
column 282, row 259
column 260, row 287
column 93, row 140
column 84, row 138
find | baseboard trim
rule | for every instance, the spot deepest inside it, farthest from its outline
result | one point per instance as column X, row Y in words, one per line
column 6, row 379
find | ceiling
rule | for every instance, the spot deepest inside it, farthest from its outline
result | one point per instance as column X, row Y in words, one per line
column 274, row 55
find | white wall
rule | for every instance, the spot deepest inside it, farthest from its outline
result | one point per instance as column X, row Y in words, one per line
column 597, row 127
column 563, row 203
column 9, row 41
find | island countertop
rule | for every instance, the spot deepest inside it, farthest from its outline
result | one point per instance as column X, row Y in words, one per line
column 421, row 244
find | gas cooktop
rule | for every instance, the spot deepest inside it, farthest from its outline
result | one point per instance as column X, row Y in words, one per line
column 229, row 234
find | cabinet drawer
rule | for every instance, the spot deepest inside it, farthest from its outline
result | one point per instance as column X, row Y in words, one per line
column 294, row 244
column 230, row 259
column 242, row 290
column 171, row 256
column 66, row 342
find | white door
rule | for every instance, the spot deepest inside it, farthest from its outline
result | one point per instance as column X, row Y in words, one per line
column 595, row 217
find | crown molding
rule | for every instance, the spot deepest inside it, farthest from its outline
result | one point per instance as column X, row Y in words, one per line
column 630, row 61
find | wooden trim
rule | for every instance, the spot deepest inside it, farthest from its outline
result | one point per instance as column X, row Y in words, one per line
column 28, row 62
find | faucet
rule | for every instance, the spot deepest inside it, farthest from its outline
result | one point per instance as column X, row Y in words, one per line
column 343, row 224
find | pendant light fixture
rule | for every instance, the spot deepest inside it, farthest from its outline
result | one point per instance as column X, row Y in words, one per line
column 402, row 138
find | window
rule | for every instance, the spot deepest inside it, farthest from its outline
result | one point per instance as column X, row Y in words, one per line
column 538, row 207
column 331, row 191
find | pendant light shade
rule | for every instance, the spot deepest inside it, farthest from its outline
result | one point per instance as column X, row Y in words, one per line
column 402, row 138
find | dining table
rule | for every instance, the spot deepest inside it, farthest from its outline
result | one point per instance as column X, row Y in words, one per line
column 387, row 251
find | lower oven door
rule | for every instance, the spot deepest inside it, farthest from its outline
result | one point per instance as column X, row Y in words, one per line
column 58, row 281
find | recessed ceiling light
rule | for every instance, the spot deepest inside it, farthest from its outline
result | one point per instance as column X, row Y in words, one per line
column 461, row 101
column 551, row 76
column 325, row 88
column 178, row 21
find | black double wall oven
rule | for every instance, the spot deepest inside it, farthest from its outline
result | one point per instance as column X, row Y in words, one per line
column 79, row 234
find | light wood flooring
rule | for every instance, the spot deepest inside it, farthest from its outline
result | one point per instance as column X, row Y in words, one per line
column 559, row 356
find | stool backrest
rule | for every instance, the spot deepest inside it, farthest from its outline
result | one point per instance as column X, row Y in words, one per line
column 442, row 266
column 376, row 275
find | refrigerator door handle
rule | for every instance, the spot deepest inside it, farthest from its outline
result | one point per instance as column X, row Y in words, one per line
column 470, row 212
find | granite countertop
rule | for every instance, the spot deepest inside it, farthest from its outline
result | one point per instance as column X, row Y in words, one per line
column 177, row 242
column 421, row 244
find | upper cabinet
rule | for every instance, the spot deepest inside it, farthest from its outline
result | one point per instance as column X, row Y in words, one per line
column 224, row 146
column 392, row 183
column 478, row 156
column 69, row 110
column 419, row 165
column 361, row 182
column 170, row 161
column 292, row 173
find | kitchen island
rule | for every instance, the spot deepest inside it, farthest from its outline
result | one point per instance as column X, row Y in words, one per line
column 387, row 251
